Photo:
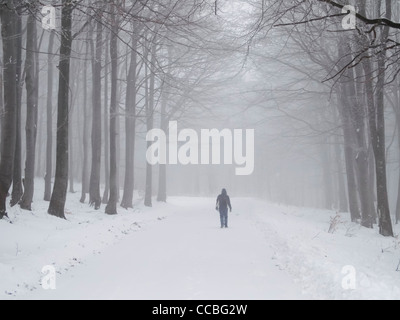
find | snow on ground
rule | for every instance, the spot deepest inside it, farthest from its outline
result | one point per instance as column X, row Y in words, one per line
column 304, row 248
column 177, row 251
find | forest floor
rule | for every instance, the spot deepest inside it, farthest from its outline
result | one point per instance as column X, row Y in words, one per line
column 178, row 251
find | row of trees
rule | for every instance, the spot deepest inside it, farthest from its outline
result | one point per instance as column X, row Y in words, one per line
column 356, row 71
column 149, row 62
column 144, row 61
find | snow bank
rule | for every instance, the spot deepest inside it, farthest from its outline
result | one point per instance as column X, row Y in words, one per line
column 316, row 258
column 36, row 239
column 270, row 252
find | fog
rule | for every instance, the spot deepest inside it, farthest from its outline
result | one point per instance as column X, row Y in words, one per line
column 288, row 72
column 199, row 149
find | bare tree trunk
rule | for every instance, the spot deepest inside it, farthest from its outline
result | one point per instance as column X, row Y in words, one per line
column 95, row 198
column 376, row 117
column 148, row 201
column 327, row 173
column 398, row 190
column 111, row 208
column 85, row 167
column 357, row 114
column 1, row 91
column 58, row 198
column 372, row 180
column 349, row 161
column 49, row 116
column 9, row 19
column 130, row 127
column 162, row 175
column 106, row 193
column 17, row 190
column 396, row 108
column 73, row 127
column 343, row 201
column 71, row 146
column 32, row 112
column 118, row 154
column 39, row 170
column 385, row 222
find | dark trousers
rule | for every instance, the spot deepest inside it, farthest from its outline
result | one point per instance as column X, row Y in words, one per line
column 224, row 217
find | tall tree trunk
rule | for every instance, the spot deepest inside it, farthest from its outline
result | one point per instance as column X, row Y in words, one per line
column 385, row 222
column 1, row 91
column 343, row 201
column 106, row 194
column 349, row 160
column 111, row 208
column 396, row 108
column 49, row 118
column 9, row 19
column 372, row 179
column 58, row 198
column 130, row 127
column 32, row 112
column 148, row 201
column 357, row 114
column 377, row 143
column 17, row 190
column 162, row 175
column 327, row 173
column 85, row 167
column 398, row 190
column 376, row 117
column 71, row 148
column 39, row 137
column 74, row 96
column 95, row 198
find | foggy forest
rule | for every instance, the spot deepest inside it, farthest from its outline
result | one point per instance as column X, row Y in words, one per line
column 122, row 121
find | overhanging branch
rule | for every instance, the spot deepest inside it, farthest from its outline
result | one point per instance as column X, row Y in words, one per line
column 379, row 21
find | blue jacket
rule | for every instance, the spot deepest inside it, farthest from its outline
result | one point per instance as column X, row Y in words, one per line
column 223, row 201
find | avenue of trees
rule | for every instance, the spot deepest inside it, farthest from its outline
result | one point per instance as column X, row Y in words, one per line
column 77, row 100
column 354, row 73
column 141, row 61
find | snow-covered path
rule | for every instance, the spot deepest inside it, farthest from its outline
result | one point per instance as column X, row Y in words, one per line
column 178, row 251
column 184, row 256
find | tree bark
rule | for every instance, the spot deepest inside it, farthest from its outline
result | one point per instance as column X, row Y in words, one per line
column 49, row 117
column 396, row 108
column 32, row 112
column 327, row 173
column 106, row 194
column 376, row 118
column 162, row 175
column 343, row 201
column 95, row 198
column 130, row 127
column 349, row 160
column 58, row 198
column 8, row 129
column 85, row 167
column 71, row 151
column 17, row 189
column 357, row 114
column 398, row 190
column 111, row 208
column 148, row 201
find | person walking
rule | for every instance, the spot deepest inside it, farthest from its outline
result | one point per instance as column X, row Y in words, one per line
column 223, row 203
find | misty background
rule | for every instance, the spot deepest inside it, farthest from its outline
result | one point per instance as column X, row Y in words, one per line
column 284, row 68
